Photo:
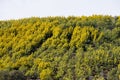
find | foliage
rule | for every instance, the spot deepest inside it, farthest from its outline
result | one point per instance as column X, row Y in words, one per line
column 60, row 48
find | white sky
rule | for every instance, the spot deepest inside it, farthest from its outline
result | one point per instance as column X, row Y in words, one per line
column 14, row 9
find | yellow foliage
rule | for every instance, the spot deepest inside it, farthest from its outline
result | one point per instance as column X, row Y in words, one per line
column 56, row 31
column 45, row 74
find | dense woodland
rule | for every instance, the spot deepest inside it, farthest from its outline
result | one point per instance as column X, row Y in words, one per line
column 60, row 48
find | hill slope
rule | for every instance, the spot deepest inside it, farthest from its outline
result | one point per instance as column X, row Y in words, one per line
column 53, row 48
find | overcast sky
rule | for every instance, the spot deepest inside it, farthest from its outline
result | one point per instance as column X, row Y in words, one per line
column 15, row 9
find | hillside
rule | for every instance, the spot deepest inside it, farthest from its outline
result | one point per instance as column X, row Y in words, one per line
column 60, row 48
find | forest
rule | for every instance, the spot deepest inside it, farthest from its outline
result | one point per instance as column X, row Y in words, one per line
column 60, row 48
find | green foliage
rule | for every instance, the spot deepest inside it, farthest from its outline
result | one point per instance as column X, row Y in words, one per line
column 4, row 75
column 60, row 48
column 12, row 75
column 16, row 75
